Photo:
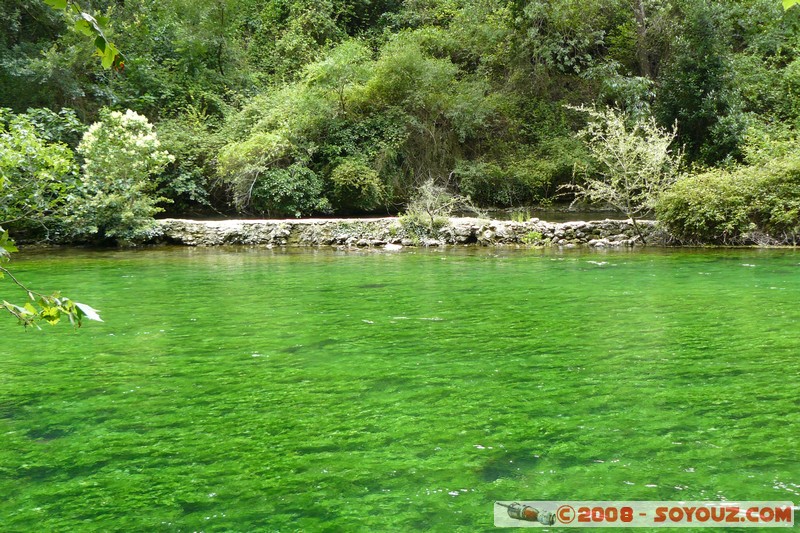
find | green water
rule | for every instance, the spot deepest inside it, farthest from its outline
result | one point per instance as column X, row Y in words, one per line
column 252, row 390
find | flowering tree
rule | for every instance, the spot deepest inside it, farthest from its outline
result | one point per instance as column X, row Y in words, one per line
column 121, row 156
column 632, row 162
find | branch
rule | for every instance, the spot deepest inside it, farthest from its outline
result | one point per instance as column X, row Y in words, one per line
column 92, row 27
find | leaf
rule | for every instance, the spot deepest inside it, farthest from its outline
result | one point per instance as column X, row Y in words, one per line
column 90, row 312
column 62, row 4
column 100, row 43
column 6, row 244
column 84, row 27
column 88, row 18
column 108, row 55
column 789, row 3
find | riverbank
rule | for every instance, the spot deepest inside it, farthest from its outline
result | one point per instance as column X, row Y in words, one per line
column 389, row 231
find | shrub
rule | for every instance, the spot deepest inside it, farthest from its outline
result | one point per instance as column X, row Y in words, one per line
column 430, row 208
column 709, row 206
column 188, row 182
column 356, row 185
column 268, row 174
column 35, row 178
column 294, row 191
column 62, row 127
column 116, row 197
column 524, row 176
column 732, row 205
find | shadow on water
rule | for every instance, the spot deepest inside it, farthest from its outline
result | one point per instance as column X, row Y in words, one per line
column 372, row 286
column 313, row 346
column 510, row 465
column 48, row 433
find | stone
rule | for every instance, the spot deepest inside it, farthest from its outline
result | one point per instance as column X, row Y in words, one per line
column 379, row 232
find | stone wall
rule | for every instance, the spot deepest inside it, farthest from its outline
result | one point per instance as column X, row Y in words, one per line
column 389, row 231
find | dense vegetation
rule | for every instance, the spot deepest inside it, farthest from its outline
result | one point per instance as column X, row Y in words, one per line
column 300, row 107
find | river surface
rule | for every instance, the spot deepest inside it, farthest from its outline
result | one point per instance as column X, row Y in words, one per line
column 240, row 389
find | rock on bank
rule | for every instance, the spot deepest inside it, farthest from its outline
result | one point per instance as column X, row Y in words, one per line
column 383, row 231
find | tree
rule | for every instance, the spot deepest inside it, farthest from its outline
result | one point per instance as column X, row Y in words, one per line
column 41, row 190
column 115, row 197
column 697, row 88
column 632, row 162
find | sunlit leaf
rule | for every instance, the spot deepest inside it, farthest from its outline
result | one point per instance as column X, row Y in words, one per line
column 90, row 312
column 61, row 4
column 84, row 27
column 6, row 244
column 108, row 56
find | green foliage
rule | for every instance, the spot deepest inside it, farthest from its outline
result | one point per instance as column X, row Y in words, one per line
column 94, row 28
column 708, row 206
column 405, row 115
column 36, row 177
column 188, row 182
column 519, row 175
column 697, row 87
column 533, row 238
column 521, row 215
column 114, row 199
column 357, row 103
column 63, row 127
column 268, row 174
column 736, row 205
column 356, row 185
column 565, row 35
column 295, row 190
column 491, row 183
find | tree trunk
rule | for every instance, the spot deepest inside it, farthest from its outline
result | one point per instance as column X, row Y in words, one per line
column 638, row 230
column 642, row 54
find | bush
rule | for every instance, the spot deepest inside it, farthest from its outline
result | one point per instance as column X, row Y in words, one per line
column 36, row 178
column 188, row 182
column 116, row 197
column 356, row 185
column 523, row 177
column 62, row 127
column 731, row 206
column 430, row 208
column 709, row 206
column 632, row 162
column 268, row 174
column 294, row 191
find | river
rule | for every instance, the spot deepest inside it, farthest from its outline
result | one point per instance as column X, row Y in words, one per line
column 244, row 389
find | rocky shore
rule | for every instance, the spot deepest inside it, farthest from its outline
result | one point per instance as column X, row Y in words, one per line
column 390, row 232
